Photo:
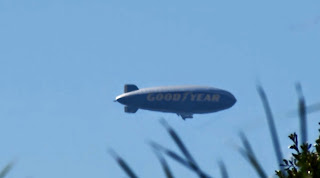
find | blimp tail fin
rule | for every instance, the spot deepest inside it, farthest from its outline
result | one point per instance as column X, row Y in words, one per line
column 130, row 109
column 130, row 87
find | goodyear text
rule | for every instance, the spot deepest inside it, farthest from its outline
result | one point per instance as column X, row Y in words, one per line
column 187, row 96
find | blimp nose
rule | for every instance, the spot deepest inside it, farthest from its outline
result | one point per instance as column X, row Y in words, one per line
column 233, row 100
column 121, row 99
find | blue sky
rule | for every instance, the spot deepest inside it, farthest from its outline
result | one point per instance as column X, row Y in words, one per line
column 62, row 63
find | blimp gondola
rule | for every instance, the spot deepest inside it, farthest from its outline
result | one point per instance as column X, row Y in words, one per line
column 182, row 100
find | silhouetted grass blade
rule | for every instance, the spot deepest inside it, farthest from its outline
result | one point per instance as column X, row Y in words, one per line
column 224, row 172
column 309, row 110
column 123, row 164
column 272, row 128
column 6, row 170
column 246, row 143
column 183, row 149
column 249, row 155
column 171, row 154
column 302, row 114
column 164, row 164
column 179, row 159
column 313, row 108
column 178, row 141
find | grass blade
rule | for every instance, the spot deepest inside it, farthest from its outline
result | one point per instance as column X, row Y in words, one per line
column 224, row 172
column 6, row 170
column 309, row 110
column 171, row 154
column 123, row 164
column 164, row 164
column 183, row 149
column 179, row 143
column 313, row 108
column 302, row 114
column 249, row 155
column 272, row 128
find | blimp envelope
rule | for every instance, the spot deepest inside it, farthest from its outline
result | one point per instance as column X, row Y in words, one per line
column 182, row 100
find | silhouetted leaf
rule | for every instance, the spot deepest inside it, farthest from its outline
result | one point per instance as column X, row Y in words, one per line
column 302, row 114
column 178, row 158
column 248, row 154
column 223, row 170
column 309, row 110
column 171, row 154
column 179, row 143
column 184, row 150
column 164, row 164
column 6, row 170
column 272, row 128
column 123, row 164
column 313, row 108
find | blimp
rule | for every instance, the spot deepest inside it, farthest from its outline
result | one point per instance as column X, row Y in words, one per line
column 185, row 101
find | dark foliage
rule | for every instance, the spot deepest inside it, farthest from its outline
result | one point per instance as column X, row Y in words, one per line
column 305, row 160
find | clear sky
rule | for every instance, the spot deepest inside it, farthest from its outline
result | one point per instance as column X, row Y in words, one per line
column 62, row 63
